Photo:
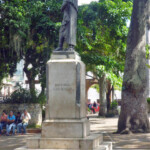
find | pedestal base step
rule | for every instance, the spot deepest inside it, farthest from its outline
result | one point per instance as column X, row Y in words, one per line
column 90, row 142
column 66, row 128
column 104, row 146
column 93, row 142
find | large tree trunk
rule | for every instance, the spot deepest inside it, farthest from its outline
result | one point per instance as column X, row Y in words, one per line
column 31, row 79
column 134, row 116
column 102, row 87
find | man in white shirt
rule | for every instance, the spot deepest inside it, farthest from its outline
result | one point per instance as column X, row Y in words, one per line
column 25, row 117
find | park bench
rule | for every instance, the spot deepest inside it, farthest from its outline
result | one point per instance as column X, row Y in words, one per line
column 29, row 130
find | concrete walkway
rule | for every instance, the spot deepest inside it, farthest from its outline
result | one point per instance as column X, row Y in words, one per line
column 98, row 125
column 108, row 126
column 12, row 142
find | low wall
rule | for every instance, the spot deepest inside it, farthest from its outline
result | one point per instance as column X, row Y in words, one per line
column 34, row 110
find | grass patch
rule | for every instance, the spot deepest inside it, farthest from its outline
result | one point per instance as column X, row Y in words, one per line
column 33, row 126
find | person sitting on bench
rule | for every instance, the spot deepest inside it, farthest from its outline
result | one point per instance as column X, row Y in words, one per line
column 10, row 123
column 3, row 121
column 18, row 118
column 25, row 117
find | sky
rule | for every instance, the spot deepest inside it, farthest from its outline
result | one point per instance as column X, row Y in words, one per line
column 85, row 1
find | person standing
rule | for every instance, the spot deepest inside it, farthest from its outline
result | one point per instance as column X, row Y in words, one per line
column 68, row 28
column 94, row 104
column 3, row 121
column 25, row 117
column 10, row 123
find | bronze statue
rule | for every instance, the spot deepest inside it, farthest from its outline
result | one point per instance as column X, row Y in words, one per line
column 68, row 28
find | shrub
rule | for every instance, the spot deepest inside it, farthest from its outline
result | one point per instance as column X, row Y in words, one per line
column 41, row 99
column 19, row 96
column 33, row 126
column 114, row 104
column 148, row 100
column 22, row 95
column 109, row 114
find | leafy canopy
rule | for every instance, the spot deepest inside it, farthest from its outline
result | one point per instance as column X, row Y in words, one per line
column 102, row 34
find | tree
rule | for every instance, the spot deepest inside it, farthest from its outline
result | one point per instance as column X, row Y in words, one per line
column 101, row 39
column 106, row 78
column 11, row 28
column 29, row 31
column 40, row 39
column 102, row 34
column 134, row 116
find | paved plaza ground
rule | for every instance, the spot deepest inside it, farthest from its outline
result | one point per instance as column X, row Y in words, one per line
column 108, row 126
column 98, row 125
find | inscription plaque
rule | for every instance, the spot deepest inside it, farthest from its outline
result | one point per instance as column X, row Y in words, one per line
column 62, row 87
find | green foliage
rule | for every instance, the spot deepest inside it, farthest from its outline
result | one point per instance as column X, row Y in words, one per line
column 22, row 95
column 43, row 24
column 102, row 28
column 147, row 54
column 128, row 0
column 147, row 51
column 102, row 36
column 114, row 105
column 41, row 99
column 29, row 31
column 148, row 100
column 89, row 110
column 12, row 27
column 95, row 86
column 116, row 80
column 33, row 126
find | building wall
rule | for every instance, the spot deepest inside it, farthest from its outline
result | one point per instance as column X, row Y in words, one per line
column 93, row 95
column 34, row 110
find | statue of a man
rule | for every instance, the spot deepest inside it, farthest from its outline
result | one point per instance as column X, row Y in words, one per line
column 68, row 28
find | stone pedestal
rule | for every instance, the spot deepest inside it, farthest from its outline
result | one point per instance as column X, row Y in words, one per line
column 63, row 128
column 66, row 125
column 65, row 87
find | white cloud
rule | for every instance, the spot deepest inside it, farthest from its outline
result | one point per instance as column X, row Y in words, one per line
column 81, row 2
